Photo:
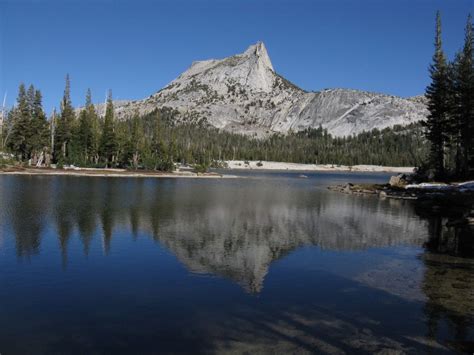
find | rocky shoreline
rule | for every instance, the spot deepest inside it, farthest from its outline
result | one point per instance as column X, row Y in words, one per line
column 410, row 192
column 455, row 201
column 381, row 190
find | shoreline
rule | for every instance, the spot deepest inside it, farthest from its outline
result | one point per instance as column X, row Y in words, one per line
column 271, row 165
column 453, row 201
column 110, row 173
column 231, row 165
column 425, row 191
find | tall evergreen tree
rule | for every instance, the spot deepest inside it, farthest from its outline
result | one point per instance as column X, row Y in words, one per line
column 93, row 120
column 52, row 129
column 108, row 143
column 136, row 142
column 85, row 131
column 463, row 108
column 20, row 121
column 439, row 101
column 64, row 125
column 30, row 98
column 39, row 136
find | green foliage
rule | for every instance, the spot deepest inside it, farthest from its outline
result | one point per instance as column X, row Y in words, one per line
column 28, row 136
column 462, row 113
column 65, row 127
column 108, row 141
column 201, row 168
column 450, row 123
column 20, row 119
column 439, row 96
column 5, row 162
column 86, row 139
column 39, row 135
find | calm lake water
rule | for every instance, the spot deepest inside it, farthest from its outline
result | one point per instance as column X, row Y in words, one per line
column 267, row 263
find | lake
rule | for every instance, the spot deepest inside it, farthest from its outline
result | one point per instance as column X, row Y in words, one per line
column 265, row 263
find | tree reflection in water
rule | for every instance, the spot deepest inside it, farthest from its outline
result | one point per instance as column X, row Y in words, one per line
column 448, row 281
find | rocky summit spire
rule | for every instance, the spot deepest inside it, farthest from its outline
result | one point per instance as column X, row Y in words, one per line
column 250, row 71
column 259, row 76
column 259, row 51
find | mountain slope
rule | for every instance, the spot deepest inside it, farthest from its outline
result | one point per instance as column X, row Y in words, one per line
column 244, row 94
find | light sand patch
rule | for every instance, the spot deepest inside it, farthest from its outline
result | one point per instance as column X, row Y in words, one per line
column 272, row 165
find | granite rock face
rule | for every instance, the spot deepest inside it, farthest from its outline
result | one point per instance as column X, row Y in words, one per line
column 244, row 94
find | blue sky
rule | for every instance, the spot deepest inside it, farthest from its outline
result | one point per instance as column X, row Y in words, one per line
column 137, row 47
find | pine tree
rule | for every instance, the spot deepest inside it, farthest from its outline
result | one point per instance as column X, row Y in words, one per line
column 93, row 117
column 30, row 98
column 85, row 131
column 108, row 143
column 52, row 129
column 135, row 144
column 20, row 122
column 64, row 125
column 122, row 138
column 39, row 135
column 463, row 108
column 438, row 94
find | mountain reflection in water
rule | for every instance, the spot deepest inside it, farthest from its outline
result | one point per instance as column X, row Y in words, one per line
column 236, row 229
column 227, row 231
